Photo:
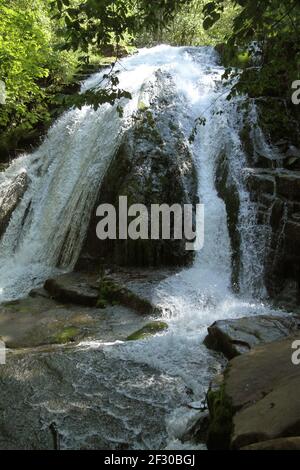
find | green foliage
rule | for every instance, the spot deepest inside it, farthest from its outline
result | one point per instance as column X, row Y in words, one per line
column 186, row 27
column 274, row 26
column 30, row 66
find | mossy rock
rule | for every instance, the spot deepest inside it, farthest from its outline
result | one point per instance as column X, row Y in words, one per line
column 67, row 335
column 112, row 293
column 153, row 165
column 148, row 330
column 221, row 419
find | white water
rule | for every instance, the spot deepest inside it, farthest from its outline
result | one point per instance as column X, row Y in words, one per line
column 65, row 172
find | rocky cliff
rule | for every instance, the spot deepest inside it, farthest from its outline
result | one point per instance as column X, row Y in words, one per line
column 274, row 183
column 153, row 165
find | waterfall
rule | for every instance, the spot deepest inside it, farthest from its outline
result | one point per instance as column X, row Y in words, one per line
column 46, row 230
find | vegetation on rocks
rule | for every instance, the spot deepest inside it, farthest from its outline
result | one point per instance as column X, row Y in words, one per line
column 112, row 293
column 221, row 414
column 148, row 330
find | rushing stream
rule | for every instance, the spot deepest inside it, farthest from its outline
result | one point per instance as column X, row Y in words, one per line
column 49, row 225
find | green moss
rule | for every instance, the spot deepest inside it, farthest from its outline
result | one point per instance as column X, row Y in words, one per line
column 221, row 425
column 142, row 106
column 148, row 330
column 107, row 292
column 113, row 294
column 66, row 335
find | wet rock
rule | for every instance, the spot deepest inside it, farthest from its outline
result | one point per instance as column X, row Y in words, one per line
column 73, row 288
column 276, row 192
column 152, row 166
column 148, row 330
column 235, row 337
column 261, row 182
column 228, row 191
column 38, row 321
column 110, row 291
column 92, row 290
column 288, row 185
column 10, row 196
column 197, row 432
column 259, row 393
column 81, row 397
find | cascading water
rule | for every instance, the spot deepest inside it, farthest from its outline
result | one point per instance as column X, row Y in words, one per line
column 48, row 227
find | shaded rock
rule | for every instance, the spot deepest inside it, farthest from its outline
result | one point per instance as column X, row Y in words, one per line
column 148, row 330
column 220, row 419
column 197, row 432
column 228, row 191
column 73, row 288
column 10, row 196
column 110, row 291
column 235, row 337
column 276, row 192
column 288, row 185
column 152, row 166
column 287, row 443
column 261, row 182
column 88, row 289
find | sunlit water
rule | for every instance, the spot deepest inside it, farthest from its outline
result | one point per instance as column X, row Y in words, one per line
column 49, row 225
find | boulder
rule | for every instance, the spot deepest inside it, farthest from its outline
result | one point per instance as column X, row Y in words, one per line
column 237, row 336
column 92, row 290
column 258, row 397
column 73, row 288
column 10, row 196
column 152, row 166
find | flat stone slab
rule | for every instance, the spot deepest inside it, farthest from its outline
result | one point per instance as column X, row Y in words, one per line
column 264, row 387
column 235, row 337
column 37, row 321
column 74, row 288
column 134, row 291
column 80, row 397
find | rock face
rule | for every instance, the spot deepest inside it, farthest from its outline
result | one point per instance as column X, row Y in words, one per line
column 152, row 166
column 9, row 199
column 235, row 337
column 277, row 193
column 258, row 397
column 228, row 191
column 274, row 184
